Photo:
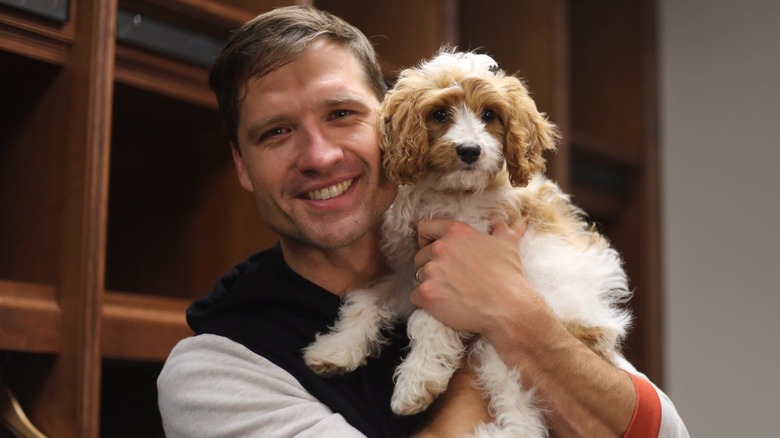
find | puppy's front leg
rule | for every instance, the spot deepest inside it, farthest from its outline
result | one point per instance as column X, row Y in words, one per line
column 357, row 333
column 436, row 351
column 514, row 408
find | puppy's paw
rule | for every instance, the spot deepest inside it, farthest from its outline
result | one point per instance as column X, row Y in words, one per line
column 412, row 396
column 328, row 356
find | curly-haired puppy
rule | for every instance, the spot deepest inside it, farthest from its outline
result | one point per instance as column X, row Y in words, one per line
column 465, row 141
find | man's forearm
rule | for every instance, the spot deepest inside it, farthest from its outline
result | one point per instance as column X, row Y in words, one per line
column 582, row 393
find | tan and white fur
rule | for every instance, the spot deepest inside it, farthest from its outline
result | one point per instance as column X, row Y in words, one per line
column 466, row 142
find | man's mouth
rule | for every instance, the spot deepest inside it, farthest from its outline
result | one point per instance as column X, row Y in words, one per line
column 329, row 192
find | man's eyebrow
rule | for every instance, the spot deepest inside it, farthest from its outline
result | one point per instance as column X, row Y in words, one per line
column 346, row 99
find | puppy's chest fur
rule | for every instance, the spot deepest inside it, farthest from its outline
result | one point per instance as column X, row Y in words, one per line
column 475, row 209
column 417, row 202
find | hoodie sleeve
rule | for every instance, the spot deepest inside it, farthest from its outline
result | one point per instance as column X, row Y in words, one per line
column 211, row 386
column 655, row 414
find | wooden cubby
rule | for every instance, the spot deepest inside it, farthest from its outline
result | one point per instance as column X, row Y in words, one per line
column 119, row 204
column 614, row 150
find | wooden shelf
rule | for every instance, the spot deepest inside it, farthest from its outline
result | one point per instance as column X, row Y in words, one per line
column 217, row 18
column 142, row 327
column 167, row 77
column 31, row 318
column 609, row 151
column 135, row 326
column 35, row 37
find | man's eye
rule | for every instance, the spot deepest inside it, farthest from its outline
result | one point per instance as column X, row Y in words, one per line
column 340, row 114
column 440, row 116
column 274, row 132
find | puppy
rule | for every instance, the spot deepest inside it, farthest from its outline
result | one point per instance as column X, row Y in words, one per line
column 465, row 141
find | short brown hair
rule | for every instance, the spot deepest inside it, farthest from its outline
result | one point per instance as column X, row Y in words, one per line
column 274, row 39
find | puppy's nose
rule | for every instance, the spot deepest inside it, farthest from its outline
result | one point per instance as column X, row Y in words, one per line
column 468, row 152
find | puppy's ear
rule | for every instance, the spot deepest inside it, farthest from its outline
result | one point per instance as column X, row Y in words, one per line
column 528, row 134
column 403, row 136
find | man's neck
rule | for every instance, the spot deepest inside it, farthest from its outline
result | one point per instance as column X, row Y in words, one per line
column 337, row 271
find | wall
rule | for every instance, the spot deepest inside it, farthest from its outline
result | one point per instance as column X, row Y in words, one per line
column 720, row 145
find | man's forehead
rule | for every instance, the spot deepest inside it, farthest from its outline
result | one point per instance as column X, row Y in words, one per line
column 327, row 69
column 320, row 44
column 335, row 91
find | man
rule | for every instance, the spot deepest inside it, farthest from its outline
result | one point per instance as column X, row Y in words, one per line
column 299, row 90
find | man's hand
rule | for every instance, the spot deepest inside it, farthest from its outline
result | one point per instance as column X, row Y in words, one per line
column 473, row 281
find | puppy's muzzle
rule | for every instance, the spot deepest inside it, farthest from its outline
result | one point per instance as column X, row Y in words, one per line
column 468, row 152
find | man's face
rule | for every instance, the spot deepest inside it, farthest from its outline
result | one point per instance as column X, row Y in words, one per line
column 309, row 150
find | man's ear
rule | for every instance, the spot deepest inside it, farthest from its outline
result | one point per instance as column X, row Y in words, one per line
column 243, row 175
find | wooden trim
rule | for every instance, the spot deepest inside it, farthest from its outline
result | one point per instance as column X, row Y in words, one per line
column 71, row 404
column 560, row 113
column 653, row 342
column 450, row 17
column 86, row 222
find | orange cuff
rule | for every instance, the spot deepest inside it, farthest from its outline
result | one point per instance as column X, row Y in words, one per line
column 646, row 421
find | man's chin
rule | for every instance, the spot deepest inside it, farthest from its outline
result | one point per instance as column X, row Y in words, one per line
column 327, row 237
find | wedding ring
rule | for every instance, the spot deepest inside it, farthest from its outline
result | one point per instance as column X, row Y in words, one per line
column 417, row 280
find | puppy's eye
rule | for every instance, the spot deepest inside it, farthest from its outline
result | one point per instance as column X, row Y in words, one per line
column 440, row 116
column 488, row 115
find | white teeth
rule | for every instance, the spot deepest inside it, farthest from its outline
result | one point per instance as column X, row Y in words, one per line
column 329, row 192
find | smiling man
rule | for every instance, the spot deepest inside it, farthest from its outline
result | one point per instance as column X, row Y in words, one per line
column 307, row 149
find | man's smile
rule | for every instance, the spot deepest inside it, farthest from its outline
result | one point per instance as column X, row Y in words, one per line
column 329, row 192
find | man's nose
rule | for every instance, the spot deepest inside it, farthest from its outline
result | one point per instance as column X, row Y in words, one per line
column 317, row 151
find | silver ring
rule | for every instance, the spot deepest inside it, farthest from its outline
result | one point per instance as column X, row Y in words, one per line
column 417, row 280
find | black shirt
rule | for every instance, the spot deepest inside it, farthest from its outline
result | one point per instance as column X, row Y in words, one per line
column 274, row 312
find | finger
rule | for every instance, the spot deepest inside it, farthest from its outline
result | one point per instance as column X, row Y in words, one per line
column 414, row 298
column 422, row 257
column 520, row 227
column 499, row 227
column 430, row 230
